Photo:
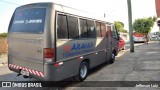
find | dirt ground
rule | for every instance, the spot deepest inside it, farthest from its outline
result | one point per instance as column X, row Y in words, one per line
column 3, row 46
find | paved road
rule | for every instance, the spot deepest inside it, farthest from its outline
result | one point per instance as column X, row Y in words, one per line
column 127, row 45
column 143, row 65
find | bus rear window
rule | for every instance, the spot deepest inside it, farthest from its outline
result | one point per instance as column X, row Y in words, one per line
column 30, row 20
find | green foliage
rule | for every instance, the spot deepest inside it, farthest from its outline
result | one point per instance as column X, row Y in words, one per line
column 121, row 23
column 120, row 26
column 144, row 25
column 3, row 35
column 154, row 18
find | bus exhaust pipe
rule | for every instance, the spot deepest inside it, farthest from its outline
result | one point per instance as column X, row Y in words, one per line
column 24, row 76
column 18, row 74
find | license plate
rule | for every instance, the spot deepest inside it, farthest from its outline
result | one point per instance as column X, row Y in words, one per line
column 23, row 72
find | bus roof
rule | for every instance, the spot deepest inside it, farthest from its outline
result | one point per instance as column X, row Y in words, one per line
column 69, row 10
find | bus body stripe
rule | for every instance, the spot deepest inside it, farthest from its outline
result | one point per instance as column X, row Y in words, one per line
column 37, row 73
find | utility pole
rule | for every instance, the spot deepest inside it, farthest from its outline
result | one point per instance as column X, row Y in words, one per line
column 130, row 26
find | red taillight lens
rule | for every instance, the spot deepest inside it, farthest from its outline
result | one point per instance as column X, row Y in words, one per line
column 49, row 54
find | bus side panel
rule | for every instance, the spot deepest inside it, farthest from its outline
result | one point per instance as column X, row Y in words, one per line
column 99, row 55
column 68, row 69
column 69, row 53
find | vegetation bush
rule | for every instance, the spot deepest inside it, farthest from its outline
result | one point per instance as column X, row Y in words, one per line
column 120, row 26
column 3, row 35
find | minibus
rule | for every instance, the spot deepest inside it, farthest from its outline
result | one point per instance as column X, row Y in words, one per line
column 52, row 42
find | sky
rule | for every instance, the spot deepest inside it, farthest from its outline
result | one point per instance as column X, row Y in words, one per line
column 115, row 10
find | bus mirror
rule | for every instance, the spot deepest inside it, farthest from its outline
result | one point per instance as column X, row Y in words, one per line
column 118, row 38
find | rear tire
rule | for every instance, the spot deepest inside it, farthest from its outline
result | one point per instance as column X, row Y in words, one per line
column 112, row 59
column 83, row 72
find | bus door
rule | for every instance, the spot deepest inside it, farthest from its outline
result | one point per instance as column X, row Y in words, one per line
column 114, row 38
column 109, row 42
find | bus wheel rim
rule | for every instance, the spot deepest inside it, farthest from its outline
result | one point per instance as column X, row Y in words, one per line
column 113, row 56
column 83, row 71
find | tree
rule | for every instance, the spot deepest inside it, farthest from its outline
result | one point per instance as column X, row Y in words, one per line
column 144, row 25
column 120, row 26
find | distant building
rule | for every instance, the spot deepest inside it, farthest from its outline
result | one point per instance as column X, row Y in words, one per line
column 157, row 3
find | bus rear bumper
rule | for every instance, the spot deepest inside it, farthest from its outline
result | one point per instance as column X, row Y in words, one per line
column 42, row 76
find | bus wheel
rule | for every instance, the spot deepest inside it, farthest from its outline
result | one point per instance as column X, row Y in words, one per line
column 112, row 59
column 83, row 72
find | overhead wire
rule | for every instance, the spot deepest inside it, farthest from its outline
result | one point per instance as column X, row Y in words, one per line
column 9, row 2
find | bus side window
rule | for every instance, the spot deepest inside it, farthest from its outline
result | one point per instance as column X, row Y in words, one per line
column 83, row 28
column 106, row 31
column 73, row 27
column 91, row 29
column 109, row 31
column 62, row 32
column 103, row 28
column 98, row 29
column 114, row 35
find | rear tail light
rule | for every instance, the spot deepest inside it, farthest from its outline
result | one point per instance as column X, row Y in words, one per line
column 48, row 55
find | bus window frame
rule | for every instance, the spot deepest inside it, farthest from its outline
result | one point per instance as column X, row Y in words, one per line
column 113, row 30
column 78, row 17
column 100, row 28
column 12, row 18
column 105, row 30
column 66, row 14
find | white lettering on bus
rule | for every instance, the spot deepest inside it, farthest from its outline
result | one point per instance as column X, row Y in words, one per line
column 34, row 21
column 28, row 21
column 18, row 21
